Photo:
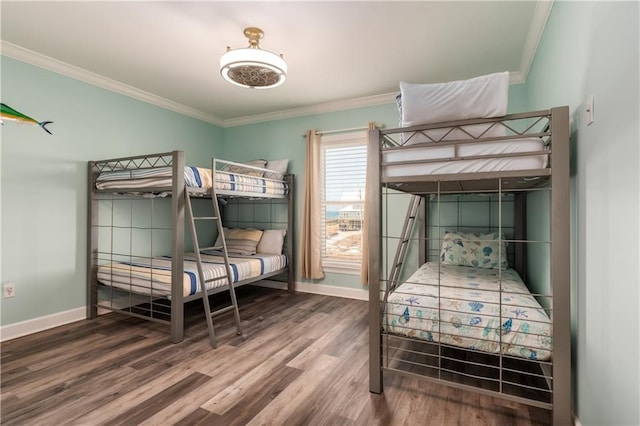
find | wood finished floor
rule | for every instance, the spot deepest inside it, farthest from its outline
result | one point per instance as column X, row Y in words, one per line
column 303, row 360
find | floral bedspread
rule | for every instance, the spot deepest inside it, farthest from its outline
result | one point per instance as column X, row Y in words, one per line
column 490, row 310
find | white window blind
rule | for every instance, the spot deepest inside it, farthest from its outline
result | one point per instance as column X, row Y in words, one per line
column 343, row 166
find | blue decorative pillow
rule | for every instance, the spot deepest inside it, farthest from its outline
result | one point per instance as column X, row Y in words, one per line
column 474, row 249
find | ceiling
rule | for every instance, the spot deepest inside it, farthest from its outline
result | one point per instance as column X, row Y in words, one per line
column 339, row 54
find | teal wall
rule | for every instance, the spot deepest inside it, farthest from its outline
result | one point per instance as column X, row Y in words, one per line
column 538, row 228
column 43, row 220
column 592, row 48
column 282, row 139
column 275, row 140
column 588, row 48
column 44, row 177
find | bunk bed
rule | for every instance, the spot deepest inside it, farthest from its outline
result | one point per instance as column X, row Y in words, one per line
column 459, row 312
column 141, row 206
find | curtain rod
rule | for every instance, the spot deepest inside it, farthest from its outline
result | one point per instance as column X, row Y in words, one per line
column 326, row 132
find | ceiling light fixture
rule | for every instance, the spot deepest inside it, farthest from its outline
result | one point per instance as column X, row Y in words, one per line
column 253, row 67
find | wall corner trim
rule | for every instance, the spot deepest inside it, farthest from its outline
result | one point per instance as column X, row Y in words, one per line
column 536, row 29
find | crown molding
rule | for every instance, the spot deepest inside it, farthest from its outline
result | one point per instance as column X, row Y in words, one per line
column 25, row 55
column 516, row 77
column 29, row 56
column 362, row 102
column 536, row 29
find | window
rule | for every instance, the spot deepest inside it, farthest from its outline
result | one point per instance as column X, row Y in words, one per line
column 343, row 166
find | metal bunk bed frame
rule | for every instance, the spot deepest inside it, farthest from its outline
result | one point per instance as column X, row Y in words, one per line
column 181, row 197
column 556, row 176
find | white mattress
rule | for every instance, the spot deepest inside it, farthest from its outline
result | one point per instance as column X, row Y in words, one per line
column 448, row 166
column 489, row 310
column 153, row 275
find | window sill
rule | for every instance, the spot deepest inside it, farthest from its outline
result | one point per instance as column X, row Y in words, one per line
column 337, row 267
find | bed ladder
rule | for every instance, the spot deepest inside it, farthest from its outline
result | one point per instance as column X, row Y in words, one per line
column 401, row 250
column 229, row 273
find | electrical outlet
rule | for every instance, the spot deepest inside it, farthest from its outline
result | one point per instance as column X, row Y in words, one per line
column 9, row 289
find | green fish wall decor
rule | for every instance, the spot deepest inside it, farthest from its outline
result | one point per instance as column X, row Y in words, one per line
column 8, row 113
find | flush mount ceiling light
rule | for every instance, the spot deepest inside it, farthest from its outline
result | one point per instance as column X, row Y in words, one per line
column 253, row 67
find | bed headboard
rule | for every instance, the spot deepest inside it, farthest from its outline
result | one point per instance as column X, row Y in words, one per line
column 474, row 212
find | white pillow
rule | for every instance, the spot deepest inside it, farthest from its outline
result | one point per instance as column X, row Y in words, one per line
column 278, row 166
column 271, row 241
column 241, row 241
column 480, row 97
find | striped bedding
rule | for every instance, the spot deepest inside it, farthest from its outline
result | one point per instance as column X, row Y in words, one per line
column 194, row 177
column 467, row 309
column 153, row 275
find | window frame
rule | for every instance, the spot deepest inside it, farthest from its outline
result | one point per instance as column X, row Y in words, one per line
column 347, row 139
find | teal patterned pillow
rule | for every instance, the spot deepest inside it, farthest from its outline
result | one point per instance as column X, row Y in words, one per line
column 474, row 249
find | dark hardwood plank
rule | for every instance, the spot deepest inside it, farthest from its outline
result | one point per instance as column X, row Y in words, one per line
column 258, row 397
column 200, row 416
column 140, row 412
column 84, row 360
column 284, row 409
column 265, row 371
column 303, row 359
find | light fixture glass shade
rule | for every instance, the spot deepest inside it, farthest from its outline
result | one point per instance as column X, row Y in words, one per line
column 253, row 67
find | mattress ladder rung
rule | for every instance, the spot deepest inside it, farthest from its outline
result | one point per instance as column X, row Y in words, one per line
column 211, row 248
column 222, row 280
column 222, row 311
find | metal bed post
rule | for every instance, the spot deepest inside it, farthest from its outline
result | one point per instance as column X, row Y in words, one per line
column 423, row 232
column 560, row 259
column 520, row 233
column 291, row 278
column 92, row 247
column 373, row 195
column 177, row 247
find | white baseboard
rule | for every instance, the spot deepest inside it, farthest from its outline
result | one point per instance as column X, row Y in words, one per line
column 23, row 328
column 323, row 289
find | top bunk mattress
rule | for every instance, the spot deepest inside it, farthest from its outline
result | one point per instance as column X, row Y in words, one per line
column 461, row 127
column 245, row 181
column 468, row 157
